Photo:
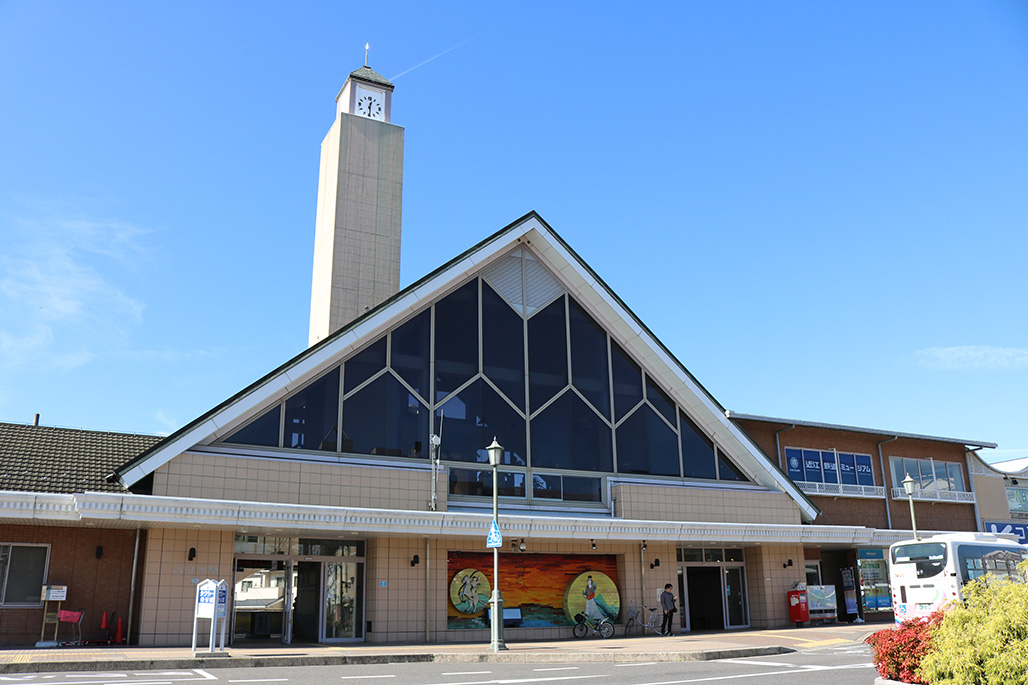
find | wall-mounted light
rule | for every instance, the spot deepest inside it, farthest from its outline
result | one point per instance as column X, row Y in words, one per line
column 1014, row 481
column 644, row 545
column 192, row 553
column 99, row 551
column 415, row 560
column 593, row 543
column 522, row 546
column 655, row 564
column 787, row 564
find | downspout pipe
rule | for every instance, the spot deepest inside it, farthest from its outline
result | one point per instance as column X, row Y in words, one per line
column 970, row 485
column 778, row 445
column 132, row 588
column 888, row 494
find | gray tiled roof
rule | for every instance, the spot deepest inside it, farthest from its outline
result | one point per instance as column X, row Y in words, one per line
column 368, row 74
column 64, row 460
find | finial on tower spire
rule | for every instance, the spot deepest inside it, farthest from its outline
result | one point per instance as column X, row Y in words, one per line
column 366, row 46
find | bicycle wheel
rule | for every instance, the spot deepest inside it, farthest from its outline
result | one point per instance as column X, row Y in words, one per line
column 606, row 629
column 579, row 630
column 630, row 626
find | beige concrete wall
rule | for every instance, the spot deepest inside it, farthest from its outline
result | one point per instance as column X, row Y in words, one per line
column 768, row 582
column 210, row 476
column 675, row 503
column 991, row 493
column 170, row 578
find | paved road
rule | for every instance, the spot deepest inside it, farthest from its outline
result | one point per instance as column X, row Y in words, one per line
column 848, row 664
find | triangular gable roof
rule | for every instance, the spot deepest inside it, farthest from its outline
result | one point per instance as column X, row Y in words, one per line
column 575, row 274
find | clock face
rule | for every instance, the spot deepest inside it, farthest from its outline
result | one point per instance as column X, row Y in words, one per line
column 369, row 104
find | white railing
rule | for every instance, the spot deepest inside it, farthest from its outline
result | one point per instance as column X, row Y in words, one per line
column 841, row 490
column 935, row 495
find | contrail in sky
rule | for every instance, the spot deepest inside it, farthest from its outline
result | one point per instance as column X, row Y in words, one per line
column 435, row 57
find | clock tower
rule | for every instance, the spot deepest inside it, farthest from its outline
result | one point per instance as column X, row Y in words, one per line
column 357, row 231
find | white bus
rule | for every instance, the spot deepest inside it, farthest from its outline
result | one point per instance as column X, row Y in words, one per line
column 926, row 574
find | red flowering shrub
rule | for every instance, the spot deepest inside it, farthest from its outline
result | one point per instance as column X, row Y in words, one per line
column 897, row 652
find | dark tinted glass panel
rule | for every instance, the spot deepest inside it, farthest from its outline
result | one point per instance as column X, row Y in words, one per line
column 690, row 554
column 727, row 470
column 547, row 354
column 331, row 548
column 383, row 418
column 456, row 339
column 410, row 352
column 569, row 435
column 312, row 415
column 661, row 402
column 847, row 469
column 865, row 476
column 733, row 555
column 468, row 422
column 546, row 486
column 627, row 381
column 479, row 483
column 829, row 467
column 25, row 576
column 697, row 450
column 503, row 346
column 263, row 431
column 363, row 365
column 647, row 445
column 713, row 555
column 589, row 359
column 577, row 489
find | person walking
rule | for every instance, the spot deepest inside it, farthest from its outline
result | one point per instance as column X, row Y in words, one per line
column 667, row 603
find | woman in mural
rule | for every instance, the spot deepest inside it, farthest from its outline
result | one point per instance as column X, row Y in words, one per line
column 591, row 610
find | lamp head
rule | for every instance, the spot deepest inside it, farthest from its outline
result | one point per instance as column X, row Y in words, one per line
column 908, row 485
column 495, row 452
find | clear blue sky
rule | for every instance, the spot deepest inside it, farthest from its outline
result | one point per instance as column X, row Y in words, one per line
column 820, row 207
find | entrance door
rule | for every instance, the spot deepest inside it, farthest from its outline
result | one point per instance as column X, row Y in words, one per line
column 307, row 605
column 735, row 597
column 344, row 594
column 706, row 608
column 288, row 583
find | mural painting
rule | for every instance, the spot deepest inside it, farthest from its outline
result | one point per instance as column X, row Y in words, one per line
column 549, row 589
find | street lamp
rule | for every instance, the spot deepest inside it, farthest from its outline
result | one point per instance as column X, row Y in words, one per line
column 908, row 485
column 496, row 624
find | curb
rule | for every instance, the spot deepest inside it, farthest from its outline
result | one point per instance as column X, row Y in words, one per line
column 347, row 660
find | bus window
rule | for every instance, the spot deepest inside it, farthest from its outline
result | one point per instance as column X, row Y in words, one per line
column 977, row 560
column 928, row 557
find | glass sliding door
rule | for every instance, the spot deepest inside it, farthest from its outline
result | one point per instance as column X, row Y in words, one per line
column 735, row 597
column 344, row 601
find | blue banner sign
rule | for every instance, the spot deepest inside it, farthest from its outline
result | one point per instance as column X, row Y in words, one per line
column 1018, row 529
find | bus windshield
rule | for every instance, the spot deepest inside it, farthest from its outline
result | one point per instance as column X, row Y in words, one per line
column 929, row 557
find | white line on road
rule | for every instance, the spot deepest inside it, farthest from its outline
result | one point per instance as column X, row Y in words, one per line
column 467, row 673
column 524, row 680
column 811, row 669
column 262, row 680
column 205, row 674
column 562, row 668
column 362, row 677
column 640, row 663
column 755, row 663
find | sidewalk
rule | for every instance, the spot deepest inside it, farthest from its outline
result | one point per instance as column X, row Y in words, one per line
column 683, row 647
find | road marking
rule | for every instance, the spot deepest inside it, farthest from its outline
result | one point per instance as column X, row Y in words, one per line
column 562, row 668
column 467, row 673
column 523, row 680
column 262, row 680
column 361, row 677
column 759, row 675
column 640, row 663
column 205, row 674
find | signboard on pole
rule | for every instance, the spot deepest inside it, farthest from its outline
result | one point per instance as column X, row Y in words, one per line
column 494, row 538
column 211, row 603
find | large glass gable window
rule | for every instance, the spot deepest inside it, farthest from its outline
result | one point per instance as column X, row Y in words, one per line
column 509, row 354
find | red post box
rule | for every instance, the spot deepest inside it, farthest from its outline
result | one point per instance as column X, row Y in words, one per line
column 799, row 612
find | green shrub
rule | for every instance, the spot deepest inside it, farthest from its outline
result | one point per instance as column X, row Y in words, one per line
column 985, row 639
column 898, row 652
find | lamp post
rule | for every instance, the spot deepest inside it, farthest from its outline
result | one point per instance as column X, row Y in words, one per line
column 496, row 624
column 908, row 485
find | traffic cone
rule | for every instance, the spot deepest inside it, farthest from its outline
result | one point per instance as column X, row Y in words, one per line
column 103, row 622
column 119, row 636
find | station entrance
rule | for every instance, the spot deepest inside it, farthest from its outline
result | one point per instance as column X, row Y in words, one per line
column 712, row 589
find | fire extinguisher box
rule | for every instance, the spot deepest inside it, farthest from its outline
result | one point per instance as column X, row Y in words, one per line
column 799, row 611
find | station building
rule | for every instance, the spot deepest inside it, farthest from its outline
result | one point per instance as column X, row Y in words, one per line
column 347, row 494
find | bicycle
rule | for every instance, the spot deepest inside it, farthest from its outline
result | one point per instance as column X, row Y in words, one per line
column 653, row 621
column 584, row 624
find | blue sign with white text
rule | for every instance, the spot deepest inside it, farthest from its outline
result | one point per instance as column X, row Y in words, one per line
column 1018, row 529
